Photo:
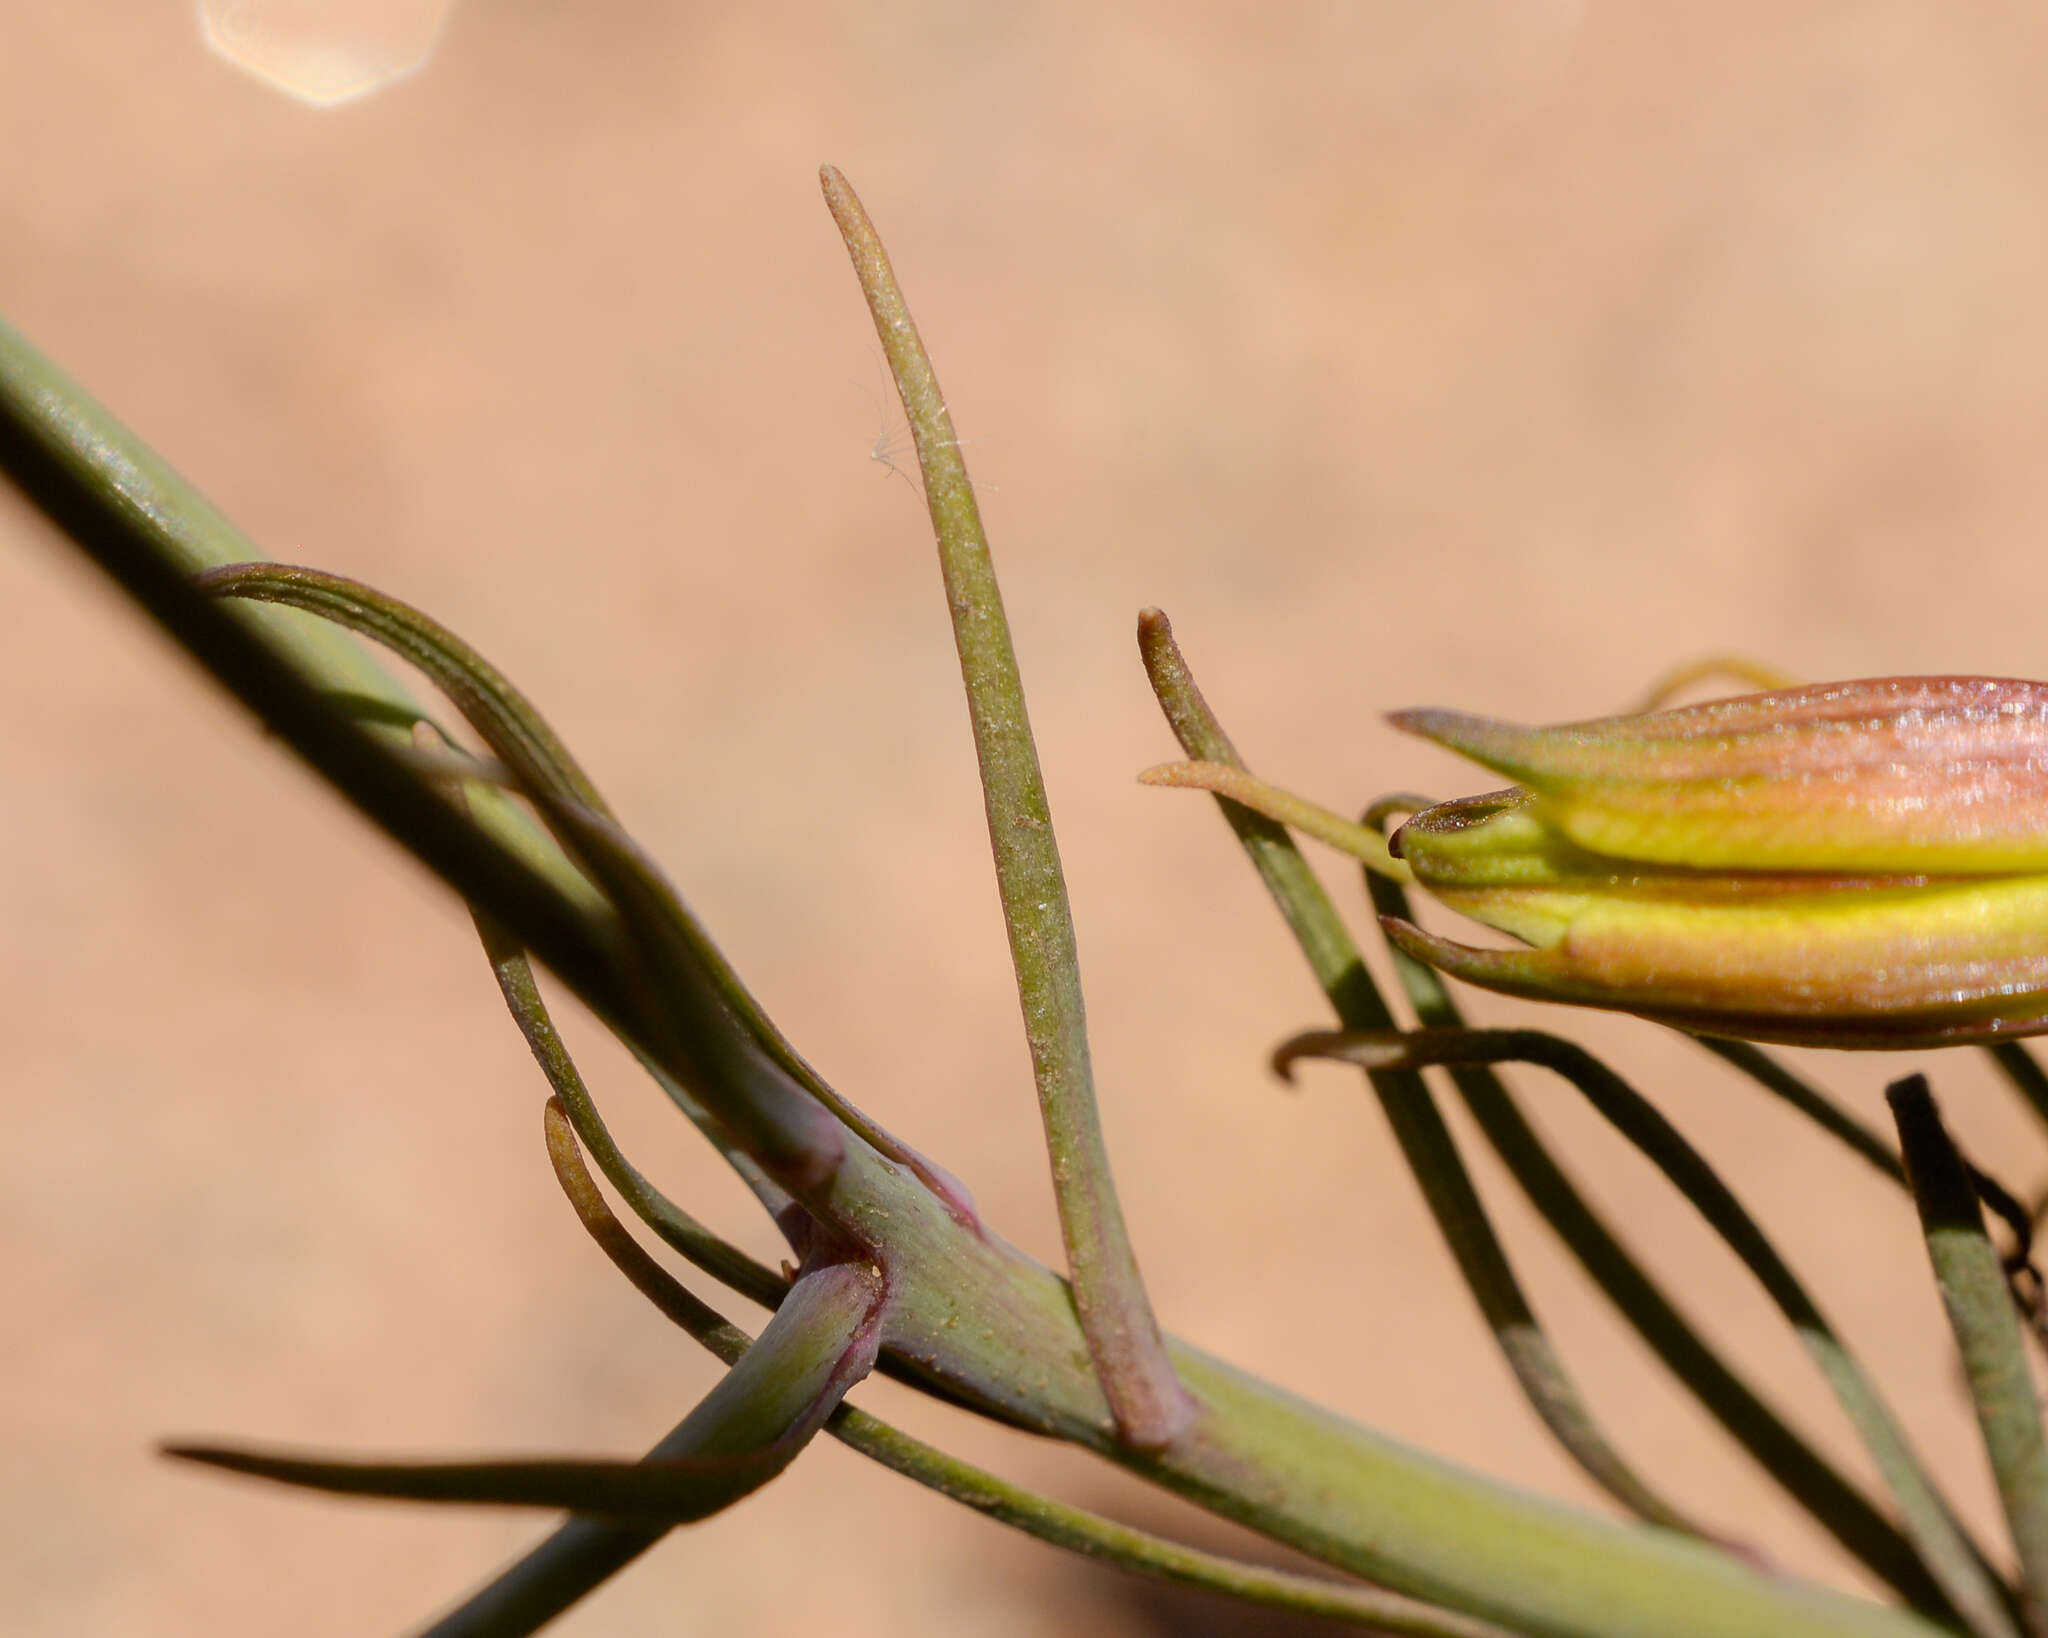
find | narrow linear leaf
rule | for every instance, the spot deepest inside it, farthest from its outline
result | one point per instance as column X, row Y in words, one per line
column 814, row 1347
column 2011, row 1057
column 1987, row 1331
column 665, row 1492
column 1247, row 790
column 678, row 1229
column 503, row 716
column 676, row 1301
column 1954, row 1561
column 1122, row 1333
column 1050, row 1521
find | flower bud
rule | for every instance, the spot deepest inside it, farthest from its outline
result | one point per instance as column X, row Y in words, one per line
column 1852, row 864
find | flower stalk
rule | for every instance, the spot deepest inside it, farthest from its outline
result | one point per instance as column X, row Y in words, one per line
column 1987, row 1330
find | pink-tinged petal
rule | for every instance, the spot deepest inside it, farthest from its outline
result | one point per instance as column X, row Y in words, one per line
column 1894, row 775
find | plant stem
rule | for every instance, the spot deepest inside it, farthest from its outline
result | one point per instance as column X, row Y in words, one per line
column 89, row 477
column 56, row 441
column 723, row 1261
column 1116, row 1314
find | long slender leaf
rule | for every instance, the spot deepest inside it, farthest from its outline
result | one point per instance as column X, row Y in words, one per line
column 1116, row 1313
column 708, row 1251
column 1050, row 1521
column 658, row 1491
column 1987, row 1329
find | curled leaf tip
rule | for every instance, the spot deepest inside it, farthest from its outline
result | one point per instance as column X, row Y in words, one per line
column 1366, row 1049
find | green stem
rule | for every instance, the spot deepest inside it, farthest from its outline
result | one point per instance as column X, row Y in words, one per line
column 1049, row 1521
column 1247, row 790
column 57, row 442
column 83, row 471
column 1987, row 1330
column 1116, row 1314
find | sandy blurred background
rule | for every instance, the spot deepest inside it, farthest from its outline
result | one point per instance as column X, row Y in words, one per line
column 1481, row 353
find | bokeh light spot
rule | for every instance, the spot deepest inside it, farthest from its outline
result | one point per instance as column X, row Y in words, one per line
column 324, row 51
